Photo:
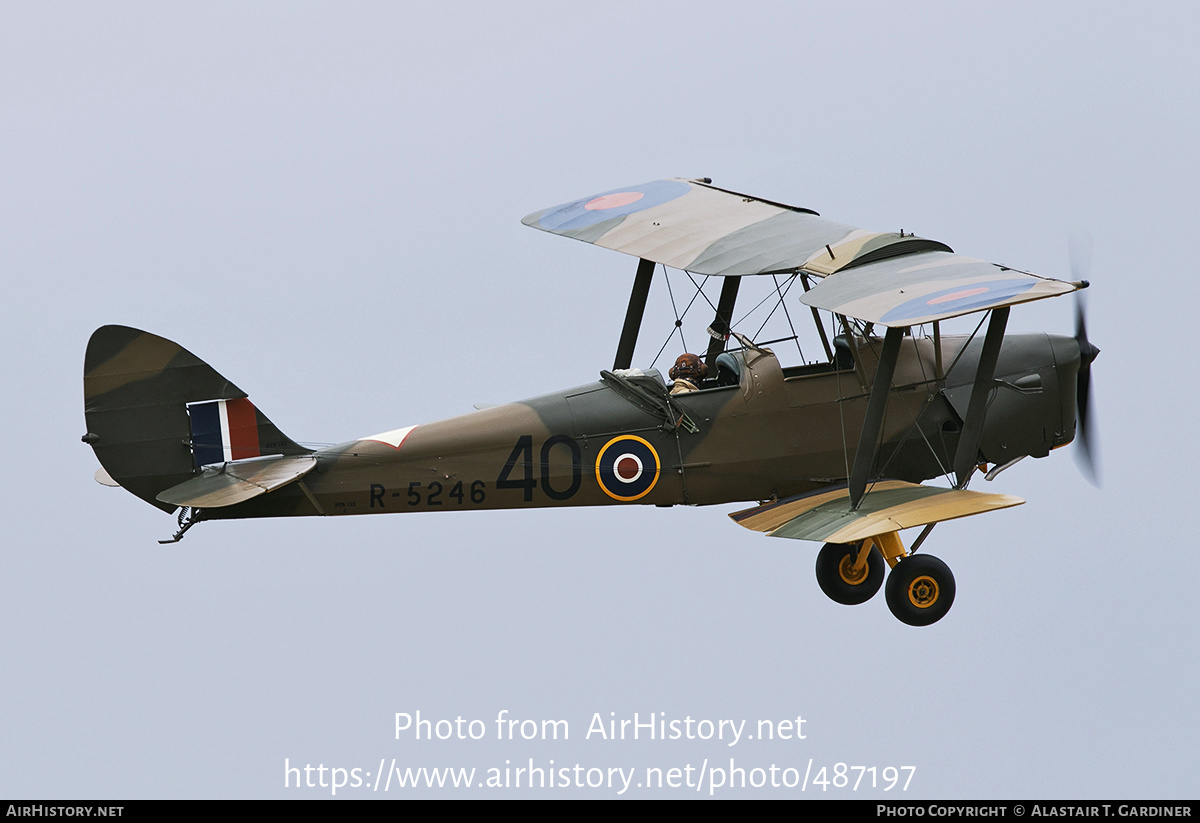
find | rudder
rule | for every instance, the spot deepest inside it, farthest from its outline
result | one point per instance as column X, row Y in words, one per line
column 137, row 388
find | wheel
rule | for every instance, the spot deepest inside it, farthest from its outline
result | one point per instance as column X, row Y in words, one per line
column 920, row 590
column 840, row 581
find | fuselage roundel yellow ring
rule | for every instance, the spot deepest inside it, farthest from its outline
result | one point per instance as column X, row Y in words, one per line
column 627, row 468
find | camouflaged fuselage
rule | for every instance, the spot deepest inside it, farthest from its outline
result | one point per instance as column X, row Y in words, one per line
column 770, row 434
column 774, row 434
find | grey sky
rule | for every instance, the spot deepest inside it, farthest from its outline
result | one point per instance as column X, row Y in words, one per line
column 324, row 202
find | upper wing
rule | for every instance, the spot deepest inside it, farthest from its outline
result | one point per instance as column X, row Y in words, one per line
column 688, row 224
column 826, row 515
column 921, row 288
column 889, row 278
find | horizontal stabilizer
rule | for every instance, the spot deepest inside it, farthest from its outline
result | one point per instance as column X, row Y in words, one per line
column 224, row 484
column 825, row 515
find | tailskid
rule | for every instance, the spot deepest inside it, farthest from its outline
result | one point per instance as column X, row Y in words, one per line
column 188, row 517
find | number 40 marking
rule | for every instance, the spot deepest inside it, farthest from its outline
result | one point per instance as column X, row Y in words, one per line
column 523, row 452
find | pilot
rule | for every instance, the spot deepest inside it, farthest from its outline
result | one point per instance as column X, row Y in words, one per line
column 687, row 373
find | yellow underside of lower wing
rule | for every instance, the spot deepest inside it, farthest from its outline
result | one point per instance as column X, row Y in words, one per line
column 825, row 515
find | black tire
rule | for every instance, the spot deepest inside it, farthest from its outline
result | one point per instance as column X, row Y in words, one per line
column 920, row 590
column 835, row 574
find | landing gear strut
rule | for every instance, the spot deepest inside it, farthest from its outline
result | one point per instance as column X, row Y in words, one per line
column 919, row 590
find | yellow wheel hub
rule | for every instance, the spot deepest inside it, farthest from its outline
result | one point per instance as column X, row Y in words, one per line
column 923, row 592
column 851, row 575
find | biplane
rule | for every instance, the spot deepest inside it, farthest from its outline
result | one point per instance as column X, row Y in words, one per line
column 836, row 450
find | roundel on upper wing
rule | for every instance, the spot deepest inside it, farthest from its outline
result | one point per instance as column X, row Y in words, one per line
column 627, row 468
column 589, row 211
column 958, row 299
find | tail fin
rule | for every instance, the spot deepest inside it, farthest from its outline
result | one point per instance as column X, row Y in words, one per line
column 137, row 389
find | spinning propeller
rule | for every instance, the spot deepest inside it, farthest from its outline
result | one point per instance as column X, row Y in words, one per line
column 1086, row 455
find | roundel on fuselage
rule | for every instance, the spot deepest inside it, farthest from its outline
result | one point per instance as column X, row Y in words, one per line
column 627, row 468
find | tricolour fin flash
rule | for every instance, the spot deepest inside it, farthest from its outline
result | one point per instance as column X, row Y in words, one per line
column 223, row 431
